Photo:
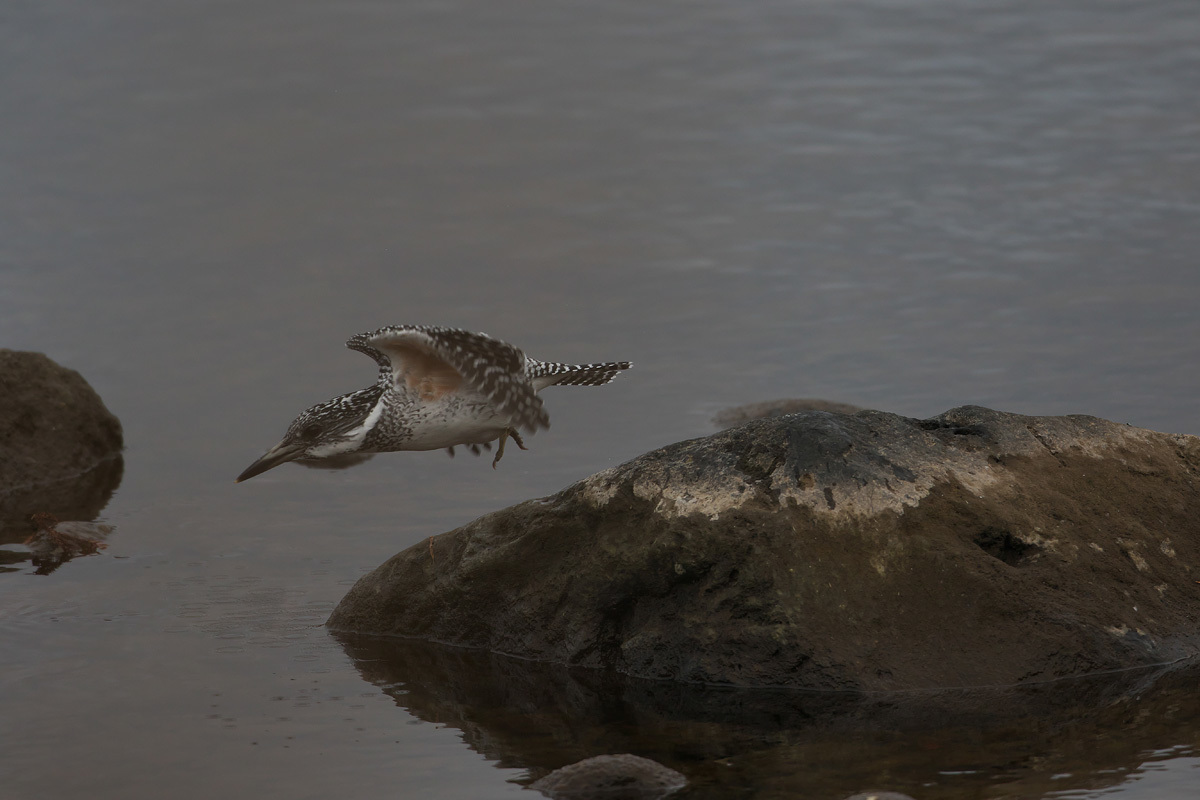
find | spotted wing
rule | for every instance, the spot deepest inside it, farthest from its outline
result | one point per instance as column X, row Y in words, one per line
column 551, row 373
column 429, row 362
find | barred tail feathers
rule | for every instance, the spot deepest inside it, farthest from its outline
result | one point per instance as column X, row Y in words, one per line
column 549, row 373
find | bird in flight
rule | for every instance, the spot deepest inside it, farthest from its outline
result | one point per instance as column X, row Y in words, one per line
column 437, row 387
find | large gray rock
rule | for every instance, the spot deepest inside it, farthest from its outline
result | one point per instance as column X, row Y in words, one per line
column 867, row 551
column 60, row 448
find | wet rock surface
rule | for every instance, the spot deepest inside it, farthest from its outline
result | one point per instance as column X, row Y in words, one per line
column 832, row 551
column 60, row 448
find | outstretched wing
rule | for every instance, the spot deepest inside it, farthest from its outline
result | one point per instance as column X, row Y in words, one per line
column 430, row 362
column 551, row 373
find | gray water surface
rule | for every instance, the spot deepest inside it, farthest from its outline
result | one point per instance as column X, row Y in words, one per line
column 903, row 204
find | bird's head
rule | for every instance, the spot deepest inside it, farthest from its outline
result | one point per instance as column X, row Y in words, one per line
column 328, row 433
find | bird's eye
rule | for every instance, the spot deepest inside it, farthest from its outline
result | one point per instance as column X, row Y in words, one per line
column 310, row 431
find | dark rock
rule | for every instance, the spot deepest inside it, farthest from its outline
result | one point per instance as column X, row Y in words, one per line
column 53, row 425
column 60, row 448
column 611, row 777
column 820, row 550
column 737, row 415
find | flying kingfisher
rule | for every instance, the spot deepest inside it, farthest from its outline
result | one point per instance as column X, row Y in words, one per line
column 438, row 387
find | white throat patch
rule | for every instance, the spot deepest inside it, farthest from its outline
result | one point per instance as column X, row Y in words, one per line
column 353, row 438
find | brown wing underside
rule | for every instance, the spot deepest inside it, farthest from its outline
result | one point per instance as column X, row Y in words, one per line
column 425, row 374
column 431, row 362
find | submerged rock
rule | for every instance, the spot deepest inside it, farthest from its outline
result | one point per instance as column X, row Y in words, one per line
column 56, row 542
column 611, row 777
column 832, row 551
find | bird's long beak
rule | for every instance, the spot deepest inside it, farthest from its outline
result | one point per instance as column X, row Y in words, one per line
column 279, row 454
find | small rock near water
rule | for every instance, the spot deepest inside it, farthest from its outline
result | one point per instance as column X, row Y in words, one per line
column 611, row 777
column 53, row 425
column 60, row 458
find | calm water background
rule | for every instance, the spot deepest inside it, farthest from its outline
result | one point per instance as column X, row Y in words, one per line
column 903, row 204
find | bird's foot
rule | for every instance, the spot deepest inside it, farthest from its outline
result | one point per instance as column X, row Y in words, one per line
column 450, row 450
column 516, row 437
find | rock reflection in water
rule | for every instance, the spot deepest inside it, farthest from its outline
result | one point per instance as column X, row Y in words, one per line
column 72, row 504
column 732, row 743
column 56, row 542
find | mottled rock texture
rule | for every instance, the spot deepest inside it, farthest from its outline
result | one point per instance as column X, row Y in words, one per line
column 611, row 777
column 823, row 550
column 60, row 448
column 727, row 418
